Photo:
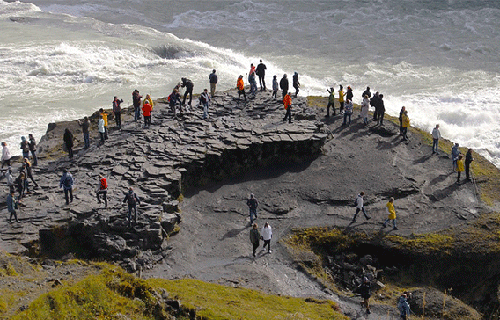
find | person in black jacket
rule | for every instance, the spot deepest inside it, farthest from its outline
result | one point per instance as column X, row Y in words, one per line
column 68, row 141
column 403, row 109
column 296, row 83
column 32, row 146
column 212, row 79
column 261, row 73
column 364, row 291
column 468, row 160
column 284, row 85
column 349, row 95
column 367, row 93
column 117, row 110
column 381, row 109
column 373, row 103
column 189, row 90
column 132, row 201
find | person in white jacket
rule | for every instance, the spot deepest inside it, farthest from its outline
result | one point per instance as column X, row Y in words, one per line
column 436, row 135
column 364, row 109
column 5, row 155
column 267, row 233
column 360, row 207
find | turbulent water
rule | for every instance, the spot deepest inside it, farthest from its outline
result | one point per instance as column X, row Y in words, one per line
column 65, row 59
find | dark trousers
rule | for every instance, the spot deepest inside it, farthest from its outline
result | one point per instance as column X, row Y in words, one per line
column 13, row 213
column 262, row 83
column 242, row 92
column 376, row 114
column 255, row 246
column 268, row 244
column 288, row 114
column 274, row 94
column 70, row 152
column 341, row 106
column 147, row 121
column 404, row 131
column 105, row 132
column 86, row 140
column 347, row 115
column 6, row 162
column 330, row 104
column 283, row 92
column 137, row 113
column 118, row 119
column 467, row 170
column 30, row 175
column 35, row 159
column 129, row 215
column 296, row 90
column 68, row 195
column 102, row 135
column 190, row 92
column 367, row 217
column 104, row 193
column 381, row 119
column 434, row 145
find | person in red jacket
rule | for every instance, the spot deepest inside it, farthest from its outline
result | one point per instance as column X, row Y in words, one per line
column 146, row 112
column 287, row 103
column 103, row 189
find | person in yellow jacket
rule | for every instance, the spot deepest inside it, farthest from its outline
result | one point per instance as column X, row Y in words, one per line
column 241, row 87
column 104, row 116
column 341, row 99
column 389, row 208
column 460, row 166
column 287, row 103
column 405, row 124
column 148, row 99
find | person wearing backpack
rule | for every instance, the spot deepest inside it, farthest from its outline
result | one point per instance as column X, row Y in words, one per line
column 12, row 205
column 132, row 201
column 67, row 184
column 287, row 103
column 173, row 98
column 25, row 147
column 103, row 189
column 360, row 207
column 205, row 100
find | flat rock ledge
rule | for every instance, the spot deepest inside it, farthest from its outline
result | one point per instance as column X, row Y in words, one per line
column 160, row 163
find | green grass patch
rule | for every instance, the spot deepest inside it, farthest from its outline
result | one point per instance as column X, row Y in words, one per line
column 213, row 301
column 426, row 243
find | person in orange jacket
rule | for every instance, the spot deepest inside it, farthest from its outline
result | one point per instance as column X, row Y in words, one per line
column 241, row 87
column 287, row 103
column 146, row 112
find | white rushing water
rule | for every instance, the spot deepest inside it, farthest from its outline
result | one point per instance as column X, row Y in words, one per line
column 63, row 60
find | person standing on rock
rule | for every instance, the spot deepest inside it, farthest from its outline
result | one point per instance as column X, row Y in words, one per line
column 455, row 152
column 404, row 306
column 254, row 238
column 21, row 184
column 136, row 100
column 241, row 88
column 25, row 147
column 287, row 103
column 360, row 207
column 460, row 166
column 261, row 73
column 252, row 204
column 103, row 190
column 367, row 92
column 296, row 83
column 212, row 79
column 104, row 115
column 331, row 102
column 12, row 203
column 85, row 129
column 29, row 171
column 102, row 130
column 349, row 95
column 66, row 183
column 132, row 201
column 341, row 99
column 348, row 112
column 148, row 100
column 146, row 112
column 403, row 109
column 389, row 208
column 364, row 290
column 381, row 109
column 205, row 101
column 5, row 155
column 10, row 179
column 365, row 105
column 436, row 135
column 173, row 98
column 275, row 87
column 251, row 79
column 188, row 84
column 68, row 142
column 405, row 124
column 32, row 147
column 468, row 161
column 117, row 110
column 284, row 85
column 374, row 103
column 266, row 234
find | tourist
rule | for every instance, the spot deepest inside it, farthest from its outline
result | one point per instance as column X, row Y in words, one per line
column 22, row 183
column 341, row 99
column 364, row 291
column 104, row 115
column 32, row 146
column 9, row 179
column 468, row 161
column 102, row 130
column 389, row 208
column 261, row 73
column 331, row 102
column 266, row 233
column 66, row 183
column 5, row 155
column 212, row 79
column 149, row 100
column 349, row 95
column 374, row 103
column 275, row 87
column 68, row 142
column 284, row 85
column 117, row 110
column 146, row 112
column 132, row 201
column 365, row 105
column 85, row 129
column 251, row 79
column 455, row 152
column 436, row 135
column 241, row 87
column 136, row 101
column 296, row 83
column 287, row 103
column 254, row 238
column 359, row 202
column 403, row 109
column 381, row 109
column 103, row 189
column 188, row 84
column 405, row 124
column 25, row 147
column 173, row 98
column 12, row 203
column 252, row 204
column 367, row 92
column 348, row 112
column 460, row 166
column 205, row 101
column 29, row 171
column 404, row 306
